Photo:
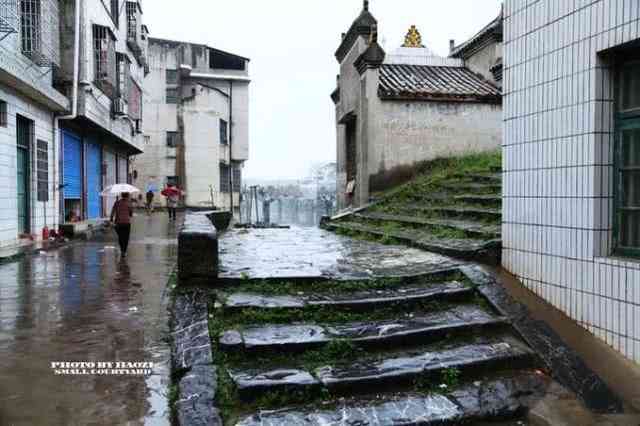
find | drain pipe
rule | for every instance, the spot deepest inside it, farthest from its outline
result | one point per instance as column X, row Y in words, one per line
column 57, row 142
column 231, row 146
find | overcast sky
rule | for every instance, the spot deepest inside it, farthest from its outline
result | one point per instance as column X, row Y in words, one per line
column 291, row 44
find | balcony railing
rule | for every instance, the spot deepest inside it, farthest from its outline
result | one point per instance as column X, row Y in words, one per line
column 8, row 17
column 134, row 29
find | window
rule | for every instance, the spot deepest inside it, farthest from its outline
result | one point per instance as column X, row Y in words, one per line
column 225, row 61
column 30, row 27
column 173, row 180
column 42, row 170
column 104, row 60
column 124, row 75
column 237, row 178
column 224, row 179
column 132, row 21
column 147, row 139
column 3, row 114
column 172, row 77
column 115, row 12
column 627, row 161
column 172, row 95
column 224, row 132
column 172, row 139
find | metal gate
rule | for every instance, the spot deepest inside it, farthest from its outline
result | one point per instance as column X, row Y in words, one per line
column 94, row 180
column 23, row 174
column 109, row 159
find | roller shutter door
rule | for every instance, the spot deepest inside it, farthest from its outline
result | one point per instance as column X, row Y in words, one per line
column 72, row 167
column 94, row 180
column 110, row 178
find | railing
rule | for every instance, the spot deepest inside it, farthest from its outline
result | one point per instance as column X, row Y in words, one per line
column 8, row 17
column 39, row 30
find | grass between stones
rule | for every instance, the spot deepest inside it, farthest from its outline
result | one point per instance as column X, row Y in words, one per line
column 293, row 288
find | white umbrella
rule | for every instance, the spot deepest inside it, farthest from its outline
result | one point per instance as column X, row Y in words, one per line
column 118, row 189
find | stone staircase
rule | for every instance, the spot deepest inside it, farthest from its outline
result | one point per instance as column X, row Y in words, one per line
column 457, row 213
column 429, row 349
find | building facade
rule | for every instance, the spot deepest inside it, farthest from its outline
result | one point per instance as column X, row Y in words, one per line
column 29, row 104
column 106, row 128
column 196, row 123
column 396, row 111
column 571, row 206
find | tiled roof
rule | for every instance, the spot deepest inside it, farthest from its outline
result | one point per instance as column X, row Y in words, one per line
column 439, row 83
column 492, row 30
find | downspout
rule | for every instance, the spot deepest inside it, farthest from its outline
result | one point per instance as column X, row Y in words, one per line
column 74, row 107
column 231, row 145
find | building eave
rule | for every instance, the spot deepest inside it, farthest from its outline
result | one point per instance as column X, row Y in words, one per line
column 492, row 32
column 41, row 94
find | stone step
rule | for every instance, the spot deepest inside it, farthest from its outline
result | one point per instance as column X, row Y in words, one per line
column 457, row 211
column 485, row 200
column 485, row 251
column 398, row 370
column 418, row 327
column 492, row 399
column 470, row 228
column 355, row 301
column 458, row 186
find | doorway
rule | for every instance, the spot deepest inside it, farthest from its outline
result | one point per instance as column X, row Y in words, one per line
column 24, row 131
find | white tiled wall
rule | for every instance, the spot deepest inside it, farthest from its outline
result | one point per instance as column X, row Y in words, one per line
column 558, row 112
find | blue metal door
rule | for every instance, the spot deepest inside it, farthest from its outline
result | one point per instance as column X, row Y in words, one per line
column 94, row 180
column 72, row 167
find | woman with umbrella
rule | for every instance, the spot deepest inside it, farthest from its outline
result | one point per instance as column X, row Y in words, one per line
column 172, row 193
column 121, row 213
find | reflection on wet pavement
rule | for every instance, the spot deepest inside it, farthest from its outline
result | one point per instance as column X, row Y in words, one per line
column 82, row 303
column 312, row 252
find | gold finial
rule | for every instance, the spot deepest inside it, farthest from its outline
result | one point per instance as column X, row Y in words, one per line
column 413, row 38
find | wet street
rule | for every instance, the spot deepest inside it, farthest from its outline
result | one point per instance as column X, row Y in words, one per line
column 83, row 304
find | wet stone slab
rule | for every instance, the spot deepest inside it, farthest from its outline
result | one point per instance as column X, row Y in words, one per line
column 402, row 369
column 312, row 252
column 361, row 299
column 191, row 341
column 498, row 398
column 305, row 336
column 197, row 389
column 250, row 384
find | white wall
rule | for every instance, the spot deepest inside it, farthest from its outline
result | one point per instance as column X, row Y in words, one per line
column 558, row 154
column 43, row 121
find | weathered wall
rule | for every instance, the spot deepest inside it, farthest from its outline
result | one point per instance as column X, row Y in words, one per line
column 484, row 59
column 158, row 161
column 43, row 121
column 558, row 163
column 404, row 134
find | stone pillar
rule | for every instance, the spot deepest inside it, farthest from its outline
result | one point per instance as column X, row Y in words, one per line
column 197, row 251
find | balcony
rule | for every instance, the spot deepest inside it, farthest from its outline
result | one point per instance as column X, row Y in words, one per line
column 8, row 17
column 134, row 30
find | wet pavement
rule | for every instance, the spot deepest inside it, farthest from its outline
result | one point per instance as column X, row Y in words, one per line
column 313, row 252
column 82, row 303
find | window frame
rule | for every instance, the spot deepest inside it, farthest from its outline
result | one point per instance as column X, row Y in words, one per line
column 172, row 135
column 225, row 185
column 224, row 132
column 42, row 170
column 172, row 99
column 171, row 81
column 4, row 113
column 624, row 120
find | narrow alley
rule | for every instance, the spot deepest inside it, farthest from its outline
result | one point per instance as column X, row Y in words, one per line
column 82, row 303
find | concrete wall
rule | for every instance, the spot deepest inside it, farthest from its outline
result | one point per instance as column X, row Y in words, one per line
column 404, row 134
column 558, row 162
column 43, row 126
column 484, row 59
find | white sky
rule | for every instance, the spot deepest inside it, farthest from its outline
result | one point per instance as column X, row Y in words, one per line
column 291, row 44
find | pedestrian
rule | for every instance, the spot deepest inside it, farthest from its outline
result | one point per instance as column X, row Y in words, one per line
column 172, row 193
column 121, row 216
column 150, row 196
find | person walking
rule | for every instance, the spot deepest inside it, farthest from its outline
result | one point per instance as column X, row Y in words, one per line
column 150, row 196
column 121, row 216
column 172, row 193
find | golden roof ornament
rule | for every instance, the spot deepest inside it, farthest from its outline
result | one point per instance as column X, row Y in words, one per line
column 413, row 38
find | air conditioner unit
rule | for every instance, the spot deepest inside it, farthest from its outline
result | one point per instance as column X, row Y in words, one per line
column 119, row 107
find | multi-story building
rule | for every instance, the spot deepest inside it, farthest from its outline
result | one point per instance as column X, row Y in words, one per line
column 396, row 111
column 105, row 128
column 29, row 105
column 572, row 160
column 196, row 123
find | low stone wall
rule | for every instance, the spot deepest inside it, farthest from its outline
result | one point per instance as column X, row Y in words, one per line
column 197, row 250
